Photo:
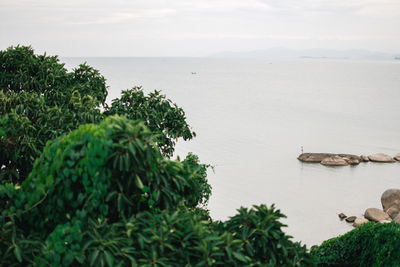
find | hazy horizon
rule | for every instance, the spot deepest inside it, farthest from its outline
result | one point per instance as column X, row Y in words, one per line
column 162, row 28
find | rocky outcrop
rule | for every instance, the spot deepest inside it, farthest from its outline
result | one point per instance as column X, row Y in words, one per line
column 314, row 157
column 334, row 161
column 397, row 157
column 391, row 198
column 376, row 215
column 359, row 221
column 319, row 157
column 380, row 157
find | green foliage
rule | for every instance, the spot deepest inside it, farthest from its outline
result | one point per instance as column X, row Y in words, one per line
column 107, row 193
column 23, row 71
column 260, row 232
column 39, row 101
column 179, row 238
column 371, row 244
column 111, row 170
column 164, row 118
column 27, row 121
column 104, row 195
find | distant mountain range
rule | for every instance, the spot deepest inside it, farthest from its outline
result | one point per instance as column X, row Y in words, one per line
column 286, row 53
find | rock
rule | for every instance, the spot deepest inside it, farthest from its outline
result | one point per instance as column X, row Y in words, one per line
column 380, row 157
column 397, row 157
column 390, row 198
column 359, row 221
column 397, row 219
column 314, row 157
column 393, row 211
column 385, row 221
column 353, row 161
column 364, row 158
column 342, row 216
column 376, row 215
column 334, row 161
column 351, row 219
column 350, row 158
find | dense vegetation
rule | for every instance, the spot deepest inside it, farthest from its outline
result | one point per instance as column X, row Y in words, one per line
column 40, row 100
column 371, row 244
column 83, row 183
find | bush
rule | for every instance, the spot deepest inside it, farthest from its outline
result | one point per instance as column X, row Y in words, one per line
column 179, row 238
column 104, row 194
column 371, row 244
column 111, row 170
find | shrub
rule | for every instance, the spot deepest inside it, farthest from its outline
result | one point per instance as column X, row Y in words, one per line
column 110, row 170
column 262, row 238
column 371, row 244
column 104, row 195
column 179, row 238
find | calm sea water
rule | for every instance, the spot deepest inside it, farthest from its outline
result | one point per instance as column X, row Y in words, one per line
column 253, row 116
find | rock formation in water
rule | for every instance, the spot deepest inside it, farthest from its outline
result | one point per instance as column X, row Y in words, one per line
column 331, row 159
column 380, row 157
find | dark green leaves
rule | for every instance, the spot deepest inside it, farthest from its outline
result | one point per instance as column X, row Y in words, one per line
column 164, row 118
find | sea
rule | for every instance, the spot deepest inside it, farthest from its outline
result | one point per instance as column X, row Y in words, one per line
column 253, row 117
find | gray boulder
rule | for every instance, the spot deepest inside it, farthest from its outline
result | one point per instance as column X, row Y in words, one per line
column 393, row 211
column 391, row 198
column 380, row 157
column 364, row 158
column 359, row 221
column 397, row 219
column 376, row 215
column 314, row 157
column 334, row 161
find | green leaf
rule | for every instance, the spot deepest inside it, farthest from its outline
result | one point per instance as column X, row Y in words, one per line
column 17, row 253
column 138, row 182
column 109, row 258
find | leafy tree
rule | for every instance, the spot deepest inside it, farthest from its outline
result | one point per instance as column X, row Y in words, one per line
column 107, row 193
column 40, row 100
column 164, row 118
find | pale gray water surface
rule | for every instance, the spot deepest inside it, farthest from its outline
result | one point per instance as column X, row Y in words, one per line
column 252, row 117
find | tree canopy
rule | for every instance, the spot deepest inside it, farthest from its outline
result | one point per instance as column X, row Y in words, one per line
column 84, row 183
column 40, row 100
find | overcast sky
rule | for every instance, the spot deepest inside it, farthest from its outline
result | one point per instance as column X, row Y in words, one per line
column 197, row 27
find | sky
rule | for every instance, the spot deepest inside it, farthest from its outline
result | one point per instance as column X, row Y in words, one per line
column 197, row 27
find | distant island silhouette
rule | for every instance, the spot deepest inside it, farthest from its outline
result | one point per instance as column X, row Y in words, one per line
column 315, row 53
